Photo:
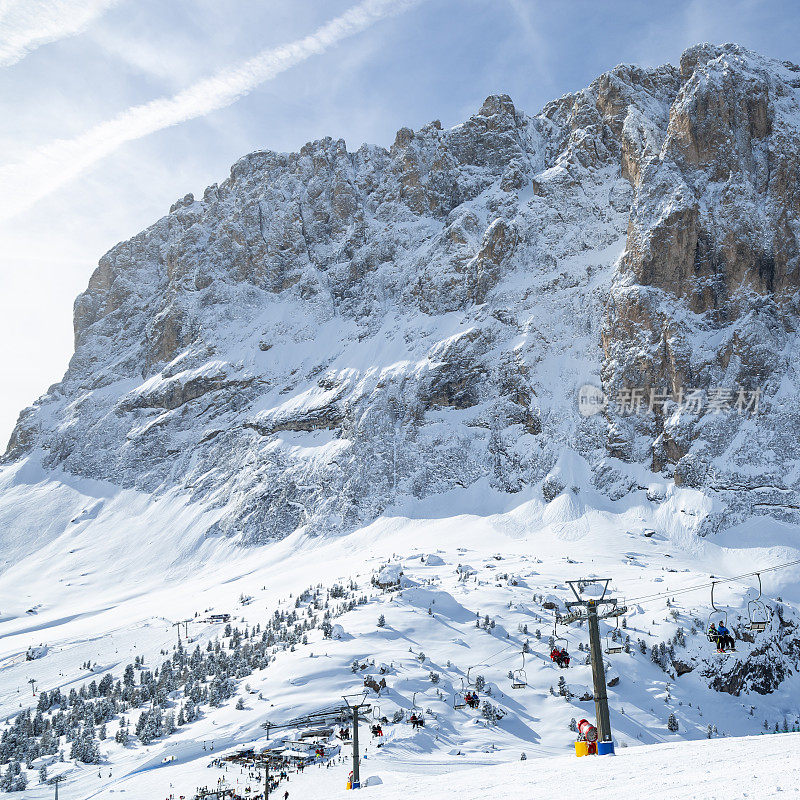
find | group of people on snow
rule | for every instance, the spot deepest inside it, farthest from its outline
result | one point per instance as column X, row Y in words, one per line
column 721, row 636
column 471, row 699
column 560, row 656
column 417, row 721
column 377, row 730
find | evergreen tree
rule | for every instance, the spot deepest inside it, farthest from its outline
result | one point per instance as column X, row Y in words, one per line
column 490, row 712
column 672, row 723
column 121, row 736
column 85, row 748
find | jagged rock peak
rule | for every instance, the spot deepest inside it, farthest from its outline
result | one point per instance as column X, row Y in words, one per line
column 328, row 332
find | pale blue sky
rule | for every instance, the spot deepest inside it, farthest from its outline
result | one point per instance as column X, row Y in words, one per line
column 86, row 162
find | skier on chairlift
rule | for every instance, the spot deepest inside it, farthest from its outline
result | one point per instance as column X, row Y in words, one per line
column 713, row 635
column 726, row 641
column 560, row 656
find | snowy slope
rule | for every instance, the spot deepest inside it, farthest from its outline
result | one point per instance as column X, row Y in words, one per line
column 110, row 622
column 731, row 768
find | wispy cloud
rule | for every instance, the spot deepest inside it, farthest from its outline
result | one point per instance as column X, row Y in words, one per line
column 28, row 24
column 52, row 165
column 538, row 45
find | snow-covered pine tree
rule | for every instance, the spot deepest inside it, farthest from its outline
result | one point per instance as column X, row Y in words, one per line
column 672, row 723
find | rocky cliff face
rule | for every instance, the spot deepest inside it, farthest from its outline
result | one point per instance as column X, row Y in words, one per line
column 327, row 331
column 706, row 293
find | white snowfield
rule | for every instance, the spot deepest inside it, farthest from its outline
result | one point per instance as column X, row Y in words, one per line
column 744, row 768
column 747, row 768
column 112, row 572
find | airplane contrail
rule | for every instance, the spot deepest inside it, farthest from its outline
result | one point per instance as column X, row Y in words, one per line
column 52, row 165
column 28, row 24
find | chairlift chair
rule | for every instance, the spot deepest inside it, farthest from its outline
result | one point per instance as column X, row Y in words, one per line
column 519, row 679
column 757, row 611
column 459, row 700
column 613, row 646
column 559, row 642
column 471, row 682
column 718, row 615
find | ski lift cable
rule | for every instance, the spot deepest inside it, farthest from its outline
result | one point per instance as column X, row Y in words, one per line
column 508, row 658
column 649, row 598
column 490, row 660
column 499, row 652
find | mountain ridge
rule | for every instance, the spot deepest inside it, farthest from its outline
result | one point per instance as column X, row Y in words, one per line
column 327, row 332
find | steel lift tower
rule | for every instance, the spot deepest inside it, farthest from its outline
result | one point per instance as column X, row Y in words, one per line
column 593, row 609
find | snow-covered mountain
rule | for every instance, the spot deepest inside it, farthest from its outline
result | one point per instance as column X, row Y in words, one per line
column 354, row 359
column 328, row 331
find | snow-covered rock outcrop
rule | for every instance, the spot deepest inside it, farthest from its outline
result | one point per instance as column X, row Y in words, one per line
column 327, row 331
